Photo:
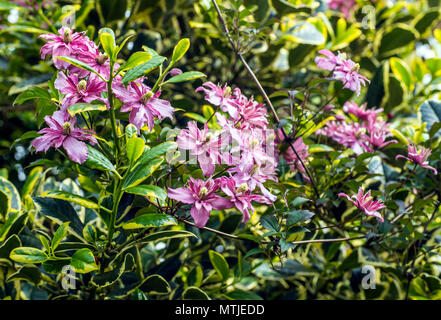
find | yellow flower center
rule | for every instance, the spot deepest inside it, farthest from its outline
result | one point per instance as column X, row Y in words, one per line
column 66, row 35
column 242, row 188
column 67, row 130
column 82, row 85
column 203, row 192
column 146, row 97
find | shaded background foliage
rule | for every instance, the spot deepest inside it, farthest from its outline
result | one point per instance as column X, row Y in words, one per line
column 398, row 48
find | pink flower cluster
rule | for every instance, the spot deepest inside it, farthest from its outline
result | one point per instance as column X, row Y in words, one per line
column 344, row 70
column 344, row 6
column 418, row 156
column 365, row 203
column 245, row 146
column 81, row 86
column 367, row 135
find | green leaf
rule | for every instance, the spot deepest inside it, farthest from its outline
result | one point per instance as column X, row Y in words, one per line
column 135, row 60
column 32, row 93
column 284, row 7
column 141, row 172
column 67, row 196
column 45, row 242
column 169, row 234
column 430, row 113
column 31, row 181
column 395, row 39
column 148, row 191
column 150, row 220
column 270, row 223
column 59, row 235
column 186, row 76
column 156, row 151
column 180, row 49
column 196, row 116
column 108, row 278
column 60, row 211
column 5, row 202
column 28, row 255
column 135, row 148
column 242, row 295
column 80, row 64
column 402, row 71
column 83, row 261
column 306, row 33
column 107, row 40
column 155, row 284
column 30, row 273
column 299, row 201
column 97, row 160
column 299, row 215
column 193, row 293
column 14, row 225
column 12, row 191
column 25, row 136
column 7, row 246
column 142, row 69
column 220, row 264
column 85, row 107
column 89, row 233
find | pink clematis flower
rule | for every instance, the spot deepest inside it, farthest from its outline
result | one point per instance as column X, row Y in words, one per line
column 365, row 203
column 202, row 144
column 344, row 6
column 330, row 61
column 347, row 72
column 418, row 156
column 95, row 59
column 361, row 112
column 344, row 70
column 79, row 91
column 66, row 44
column 202, row 195
column 348, row 135
column 377, row 133
column 221, row 96
column 62, row 132
column 143, row 104
column 241, row 197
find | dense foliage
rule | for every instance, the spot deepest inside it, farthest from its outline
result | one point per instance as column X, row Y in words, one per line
column 194, row 149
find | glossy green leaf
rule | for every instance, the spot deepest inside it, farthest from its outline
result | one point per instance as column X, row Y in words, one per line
column 97, row 160
column 59, row 235
column 150, row 220
column 83, row 261
column 148, row 191
column 79, row 64
column 85, row 107
column 29, row 272
column 67, row 196
column 107, row 40
column 193, row 293
column 12, row 191
column 186, row 76
column 180, row 49
column 141, row 172
column 135, row 148
column 28, row 255
column 31, row 181
column 135, row 60
column 401, row 71
column 142, row 69
column 89, row 233
column 220, row 264
column 32, row 93
column 156, row 151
